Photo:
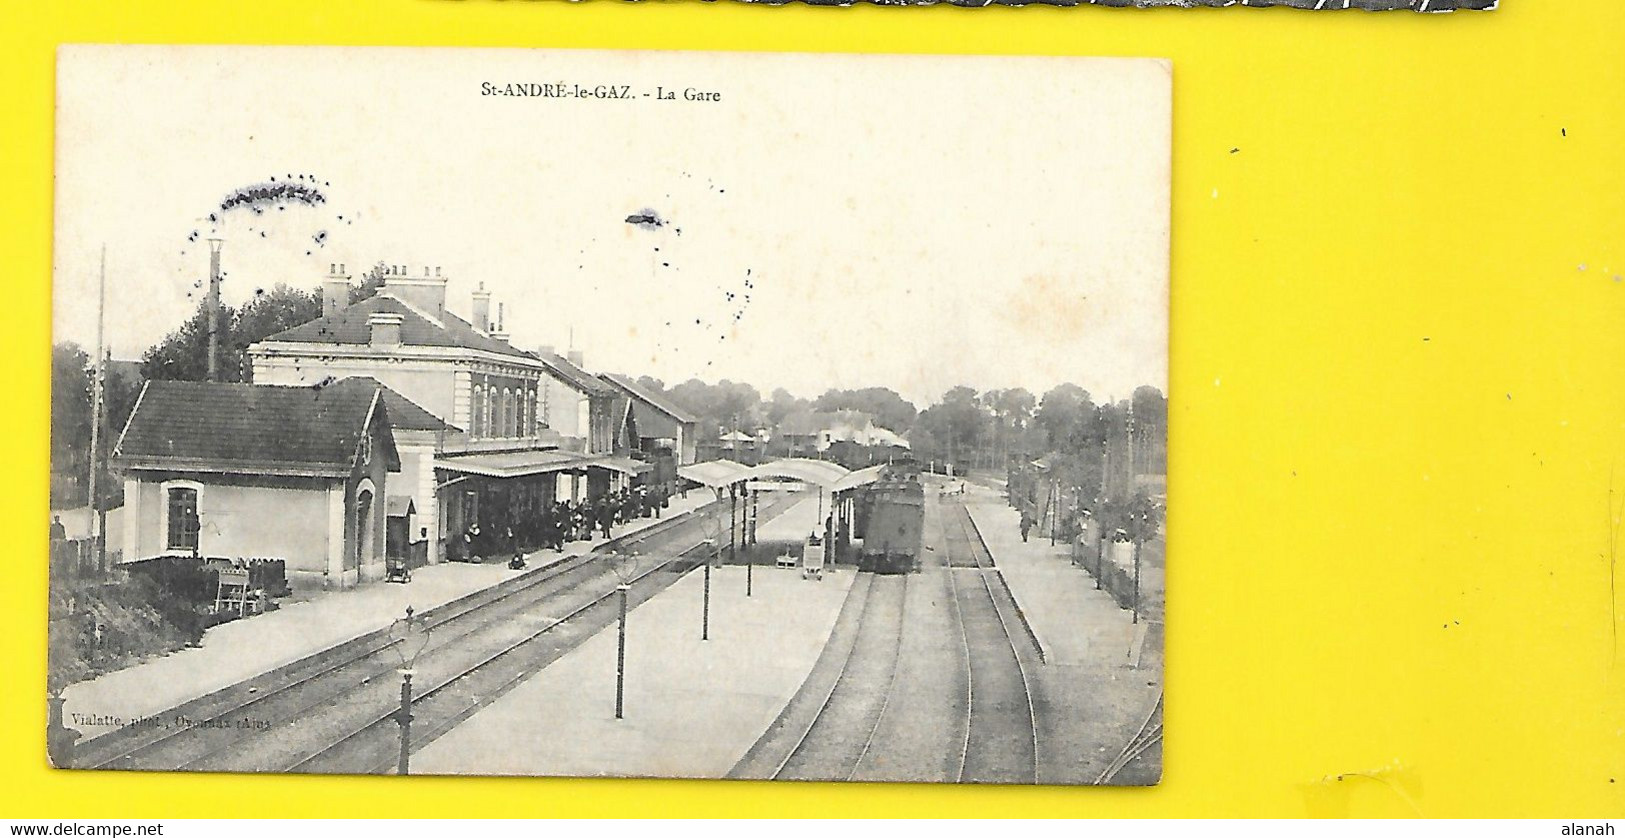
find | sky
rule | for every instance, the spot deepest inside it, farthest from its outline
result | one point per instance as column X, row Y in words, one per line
column 832, row 222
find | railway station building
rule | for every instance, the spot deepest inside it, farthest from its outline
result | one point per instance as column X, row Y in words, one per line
column 248, row 471
column 519, row 428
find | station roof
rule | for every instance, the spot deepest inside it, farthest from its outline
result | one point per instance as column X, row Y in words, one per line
column 349, row 325
column 658, row 401
column 404, row 414
column 575, row 376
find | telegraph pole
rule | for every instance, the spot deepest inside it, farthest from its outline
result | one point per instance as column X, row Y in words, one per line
column 97, row 371
column 212, row 304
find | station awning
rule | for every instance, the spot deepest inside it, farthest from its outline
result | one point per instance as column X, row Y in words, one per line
column 515, row 463
column 861, row 477
column 624, row 465
column 714, row 473
column 817, row 472
column 719, row 473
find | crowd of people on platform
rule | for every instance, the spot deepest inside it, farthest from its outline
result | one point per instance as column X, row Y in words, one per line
column 562, row 522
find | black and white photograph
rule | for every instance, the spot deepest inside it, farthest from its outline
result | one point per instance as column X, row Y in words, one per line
column 750, row 416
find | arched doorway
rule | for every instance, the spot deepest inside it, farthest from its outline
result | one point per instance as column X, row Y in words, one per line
column 364, row 528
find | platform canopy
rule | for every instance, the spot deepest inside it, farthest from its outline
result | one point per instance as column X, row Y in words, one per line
column 719, row 473
column 507, row 464
column 816, row 472
column 859, row 478
column 624, row 465
column 715, row 473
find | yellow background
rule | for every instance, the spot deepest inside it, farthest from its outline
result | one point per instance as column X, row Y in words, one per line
column 1398, row 383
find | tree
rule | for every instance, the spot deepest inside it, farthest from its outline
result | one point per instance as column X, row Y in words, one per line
column 371, row 282
column 183, row 355
column 1068, row 418
column 724, row 405
column 1012, row 419
column 888, row 409
column 70, row 407
column 782, row 404
column 950, row 429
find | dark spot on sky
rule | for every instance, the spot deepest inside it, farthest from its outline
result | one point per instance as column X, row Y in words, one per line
column 646, row 219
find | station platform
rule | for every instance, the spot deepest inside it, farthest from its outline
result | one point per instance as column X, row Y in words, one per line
column 1103, row 672
column 797, row 522
column 303, row 625
column 693, row 707
column 1075, row 622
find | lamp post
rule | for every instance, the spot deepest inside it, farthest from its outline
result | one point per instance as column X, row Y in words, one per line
column 733, row 521
column 626, row 569
column 409, row 636
column 705, row 607
column 746, row 536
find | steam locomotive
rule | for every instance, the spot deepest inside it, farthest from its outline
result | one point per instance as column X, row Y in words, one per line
column 889, row 518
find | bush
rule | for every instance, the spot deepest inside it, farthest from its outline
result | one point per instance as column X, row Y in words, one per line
column 97, row 627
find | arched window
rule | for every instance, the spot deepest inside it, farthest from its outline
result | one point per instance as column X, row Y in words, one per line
column 490, row 402
column 477, row 413
column 510, row 415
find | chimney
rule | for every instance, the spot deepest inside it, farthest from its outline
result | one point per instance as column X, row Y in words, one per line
column 385, row 327
column 335, row 290
column 547, row 349
column 499, row 332
column 482, row 309
column 426, row 293
column 577, row 358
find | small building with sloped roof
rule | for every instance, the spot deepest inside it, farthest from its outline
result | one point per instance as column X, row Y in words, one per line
column 660, row 423
column 249, row 471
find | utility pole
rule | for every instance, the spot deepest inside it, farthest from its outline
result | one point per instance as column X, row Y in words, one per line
column 1131, row 464
column 97, row 372
column 211, row 303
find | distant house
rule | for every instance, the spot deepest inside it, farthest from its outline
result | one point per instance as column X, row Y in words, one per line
column 809, row 433
column 258, row 471
column 660, row 423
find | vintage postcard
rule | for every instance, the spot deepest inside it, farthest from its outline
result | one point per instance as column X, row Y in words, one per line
column 1314, row 5
column 579, row 413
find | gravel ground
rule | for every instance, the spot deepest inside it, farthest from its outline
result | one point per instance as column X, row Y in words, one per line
column 922, row 733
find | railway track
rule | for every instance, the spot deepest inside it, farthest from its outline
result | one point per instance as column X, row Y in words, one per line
column 310, row 714
column 836, row 743
column 1001, row 727
column 1147, row 736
